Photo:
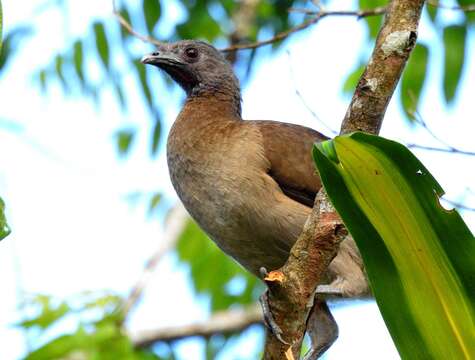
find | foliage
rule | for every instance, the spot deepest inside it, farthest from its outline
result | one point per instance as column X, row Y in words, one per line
column 4, row 228
column 418, row 256
column 214, row 274
column 1, row 26
column 98, row 333
column 413, row 79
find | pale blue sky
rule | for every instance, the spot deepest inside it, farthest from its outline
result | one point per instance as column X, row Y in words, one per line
column 66, row 189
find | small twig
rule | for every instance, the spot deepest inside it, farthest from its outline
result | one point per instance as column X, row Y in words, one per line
column 225, row 322
column 316, row 17
column 450, row 149
column 458, row 205
column 126, row 25
column 302, row 99
column 175, row 224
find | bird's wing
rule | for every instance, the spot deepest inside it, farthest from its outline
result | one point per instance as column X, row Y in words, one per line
column 288, row 148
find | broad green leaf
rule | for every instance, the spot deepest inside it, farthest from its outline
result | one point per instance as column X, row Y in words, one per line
column 418, row 256
column 102, row 45
column 454, row 51
column 413, row 79
column 124, row 140
column 157, row 130
column 4, row 228
column 151, row 11
column 78, row 56
column 352, row 79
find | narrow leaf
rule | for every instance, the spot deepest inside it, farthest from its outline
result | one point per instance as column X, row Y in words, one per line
column 454, row 50
column 4, row 228
column 413, row 80
column 1, row 25
column 78, row 56
column 157, row 129
column 151, row 11
column 102, row 45
column 418, row 256
column 154, row 202
column 124, row 140
column 142, row 73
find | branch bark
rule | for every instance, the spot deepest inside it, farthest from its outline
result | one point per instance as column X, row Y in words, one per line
column 225, row 322
column 291, row 288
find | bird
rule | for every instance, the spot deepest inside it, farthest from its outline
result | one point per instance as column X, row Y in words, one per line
column 249, row 184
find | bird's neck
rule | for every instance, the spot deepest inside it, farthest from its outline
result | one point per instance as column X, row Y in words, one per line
column 222, row 97
column 209, row 108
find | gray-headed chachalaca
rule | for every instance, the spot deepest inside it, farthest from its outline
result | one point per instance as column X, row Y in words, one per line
column 250, row 185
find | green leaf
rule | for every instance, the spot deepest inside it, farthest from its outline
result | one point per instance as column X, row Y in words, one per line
column 413, row 80
column 58, row 67
column 1, row 26
column 214, row 280
column 4, row 228
column 154, row 202
column 102, row 45
column 124, row 12
column 418, row 256
column 124, row 140
column 142, row 73
column 151, row 11
column 78, row 56
column 469, row 15
column 157, row 130
column 454, row 51
column 432, row 11
column 49, row 313
column 374, row 22
column 352, row 80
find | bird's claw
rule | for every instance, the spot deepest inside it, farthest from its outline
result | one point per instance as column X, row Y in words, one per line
column 269, row 318
column 329, row 290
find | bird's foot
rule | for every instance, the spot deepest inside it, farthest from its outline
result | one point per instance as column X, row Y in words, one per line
column 329, row 290
column 269, row 320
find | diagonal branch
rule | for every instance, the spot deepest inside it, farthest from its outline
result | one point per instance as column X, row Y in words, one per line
column 225, row 322
column 290, row 295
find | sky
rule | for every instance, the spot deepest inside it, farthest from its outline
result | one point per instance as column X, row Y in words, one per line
column 67, row 191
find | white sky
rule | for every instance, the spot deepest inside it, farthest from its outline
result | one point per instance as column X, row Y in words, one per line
column 65, row 187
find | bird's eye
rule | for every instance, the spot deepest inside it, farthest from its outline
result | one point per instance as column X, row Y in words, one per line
column 191, row 52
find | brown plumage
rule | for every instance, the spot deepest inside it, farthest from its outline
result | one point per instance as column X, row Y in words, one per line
column 250, row 185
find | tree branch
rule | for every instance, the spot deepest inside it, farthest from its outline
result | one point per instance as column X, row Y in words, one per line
column 292, row 287
column 225, row 322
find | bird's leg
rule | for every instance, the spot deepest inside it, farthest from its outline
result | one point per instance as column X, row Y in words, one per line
column 321, row 328
column 269, row 320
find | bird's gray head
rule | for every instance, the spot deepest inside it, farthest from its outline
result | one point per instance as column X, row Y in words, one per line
column 197, row 67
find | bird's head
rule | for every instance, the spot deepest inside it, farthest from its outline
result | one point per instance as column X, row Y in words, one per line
column 196, row 66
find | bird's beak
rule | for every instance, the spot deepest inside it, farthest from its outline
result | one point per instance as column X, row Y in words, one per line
column 160, row 58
